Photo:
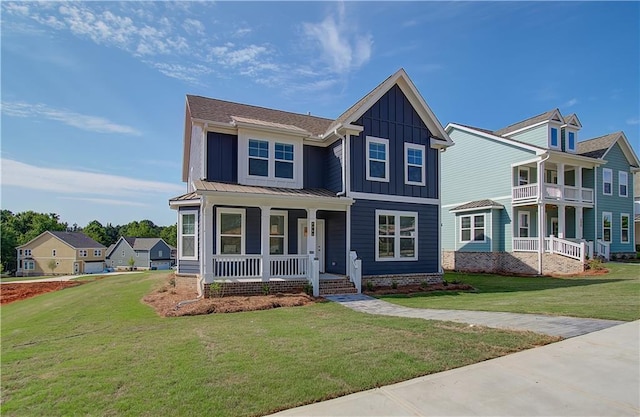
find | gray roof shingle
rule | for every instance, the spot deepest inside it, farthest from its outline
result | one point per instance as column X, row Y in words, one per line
column 221, row 111
column 596, row 147
column 478, row 204
column 528, row 122
column 77, row 240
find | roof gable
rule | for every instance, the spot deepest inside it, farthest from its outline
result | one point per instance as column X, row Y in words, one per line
column 600, row 146
column 411, row 93
column 551, row 115
column 77, row 240
column 485, row 133
column 573, row 121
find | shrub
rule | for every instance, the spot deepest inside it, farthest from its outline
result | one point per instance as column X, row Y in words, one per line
column 424, row 284
column 595, row 264
column 394, row 285
column 369, row 286
column 266, row 289
column 216, row 289
column 308, row 288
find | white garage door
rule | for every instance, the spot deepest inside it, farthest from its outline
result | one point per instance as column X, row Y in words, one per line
column 93, row 267
column 161, row 264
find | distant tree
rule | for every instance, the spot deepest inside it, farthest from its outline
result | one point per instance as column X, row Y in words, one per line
column 97, row 232
column 52, row 264
column 112, row 232
column 143, row 228
column 170, row 234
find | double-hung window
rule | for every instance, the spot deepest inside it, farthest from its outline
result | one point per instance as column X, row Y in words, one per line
column 29, row 265
column 396, row 236
column 284, row 160
column 377, row 159
column 607, row 181
column 624, row 228
column 27, row 252
column 188, row 243
column 414, row 164
column 623, row 184
column 571, row 141
column 231, row 228
column 258, row 158
column 472, row 228
column 277, row 234
column 523, row 224
column 83, row 253
column 97, row 252
column 606, row 226
column 554, row 137
column 53, row 253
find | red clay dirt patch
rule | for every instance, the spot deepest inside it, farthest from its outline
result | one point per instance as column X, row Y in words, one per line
column 15, row 292
column 166, row 298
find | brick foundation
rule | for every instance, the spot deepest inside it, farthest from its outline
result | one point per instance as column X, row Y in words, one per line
column 525, row 263
column 400, row 280
column 258, row 287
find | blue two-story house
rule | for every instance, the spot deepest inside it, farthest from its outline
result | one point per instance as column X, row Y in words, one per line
column 277, row 199
column 530, row 198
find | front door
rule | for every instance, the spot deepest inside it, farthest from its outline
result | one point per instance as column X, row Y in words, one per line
column 302, row 240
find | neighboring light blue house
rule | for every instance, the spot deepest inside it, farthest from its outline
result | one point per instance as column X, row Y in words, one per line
column 530, row 198
column 147, row 253
column 281, row 199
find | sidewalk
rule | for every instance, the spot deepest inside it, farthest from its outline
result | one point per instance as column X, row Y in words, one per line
column 596, row 374
column 538, row 323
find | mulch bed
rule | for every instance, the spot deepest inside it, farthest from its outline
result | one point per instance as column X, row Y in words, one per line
column 15, row 292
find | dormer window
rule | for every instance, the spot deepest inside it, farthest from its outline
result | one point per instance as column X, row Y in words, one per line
column 269, row 160
column 554, row 140
column 571, row 141
column 259, row 157
column 284, row 160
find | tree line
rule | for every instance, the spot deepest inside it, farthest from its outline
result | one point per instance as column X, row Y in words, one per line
column 18, row 229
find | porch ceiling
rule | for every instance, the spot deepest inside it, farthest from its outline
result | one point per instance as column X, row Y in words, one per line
column 251, row 195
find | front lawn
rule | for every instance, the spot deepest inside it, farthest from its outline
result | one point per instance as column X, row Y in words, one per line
column 614, row 296
column 96, row 349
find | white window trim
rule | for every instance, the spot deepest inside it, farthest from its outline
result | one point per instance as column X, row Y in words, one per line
column 97, row 252
column 622, row 215
column 604, row 214
column 528, row 171
column 557, row 137
column 244, row 135
column 27, row 252
column 396, row 236
column 53, row 253
column 292, row 162
column 423, row 167
column 385, row 142
column 249, row 157
column 243, row 222
column 29, row 265
column 286, row 230
column 526, row 214
column 604, row 171
column 625, row 175
column 473, row 228
column 83, row 253
column 195, row 235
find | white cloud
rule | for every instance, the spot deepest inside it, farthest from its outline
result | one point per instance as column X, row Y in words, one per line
column 193, row 27
column 66, row 181
column 70, row 118
column 572, row 102
column 342, row 47
column 633, row 120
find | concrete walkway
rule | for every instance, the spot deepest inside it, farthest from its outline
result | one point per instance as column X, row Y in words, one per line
column 597, row 374
column 550, row 325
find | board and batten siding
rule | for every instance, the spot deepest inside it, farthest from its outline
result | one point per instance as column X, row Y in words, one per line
column 393, row 118
column 538, row 136
column 363, row 238
column 222, row 157
column 616, row 205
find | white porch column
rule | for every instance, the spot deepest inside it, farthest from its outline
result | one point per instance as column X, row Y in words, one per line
column 264, row 236
column 207, row 234
column 579, row 182
column 311, row 231
column 561, row 221
column 561, row 180
column 541, row 217
column 579, row 226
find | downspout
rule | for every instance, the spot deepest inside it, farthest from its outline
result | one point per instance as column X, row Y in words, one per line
column 200, row 287
column 541, row 220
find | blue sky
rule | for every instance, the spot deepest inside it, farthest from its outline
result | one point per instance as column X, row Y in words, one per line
column 93, row 93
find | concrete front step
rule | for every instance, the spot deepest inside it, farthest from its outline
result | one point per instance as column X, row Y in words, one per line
column 337, row 286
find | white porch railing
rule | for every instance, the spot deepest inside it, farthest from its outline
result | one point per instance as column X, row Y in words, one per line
column 565, row 247
column 524, row 192
column 525, row 244
column 552, row 244
column 237, row 266
column 289, row 266
column 251, row 266
column 587, row 195
column 355, row 270
column 553, row 191
column 602, row 249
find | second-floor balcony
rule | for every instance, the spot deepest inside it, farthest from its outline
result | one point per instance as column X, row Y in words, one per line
column 551, row 192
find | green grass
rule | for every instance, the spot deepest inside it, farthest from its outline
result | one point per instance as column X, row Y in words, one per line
column 96, row 349
column 615, row 295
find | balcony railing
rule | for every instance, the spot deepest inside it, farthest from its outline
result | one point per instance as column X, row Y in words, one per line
column 556, row 192
column 251, row 266
column 552, row 244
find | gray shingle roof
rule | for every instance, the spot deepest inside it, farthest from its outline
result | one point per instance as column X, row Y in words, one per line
column 145, row 243
column 596, row 147
column 221, row 111
column 77, row 240
column 528, row 122
column 478, row 204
